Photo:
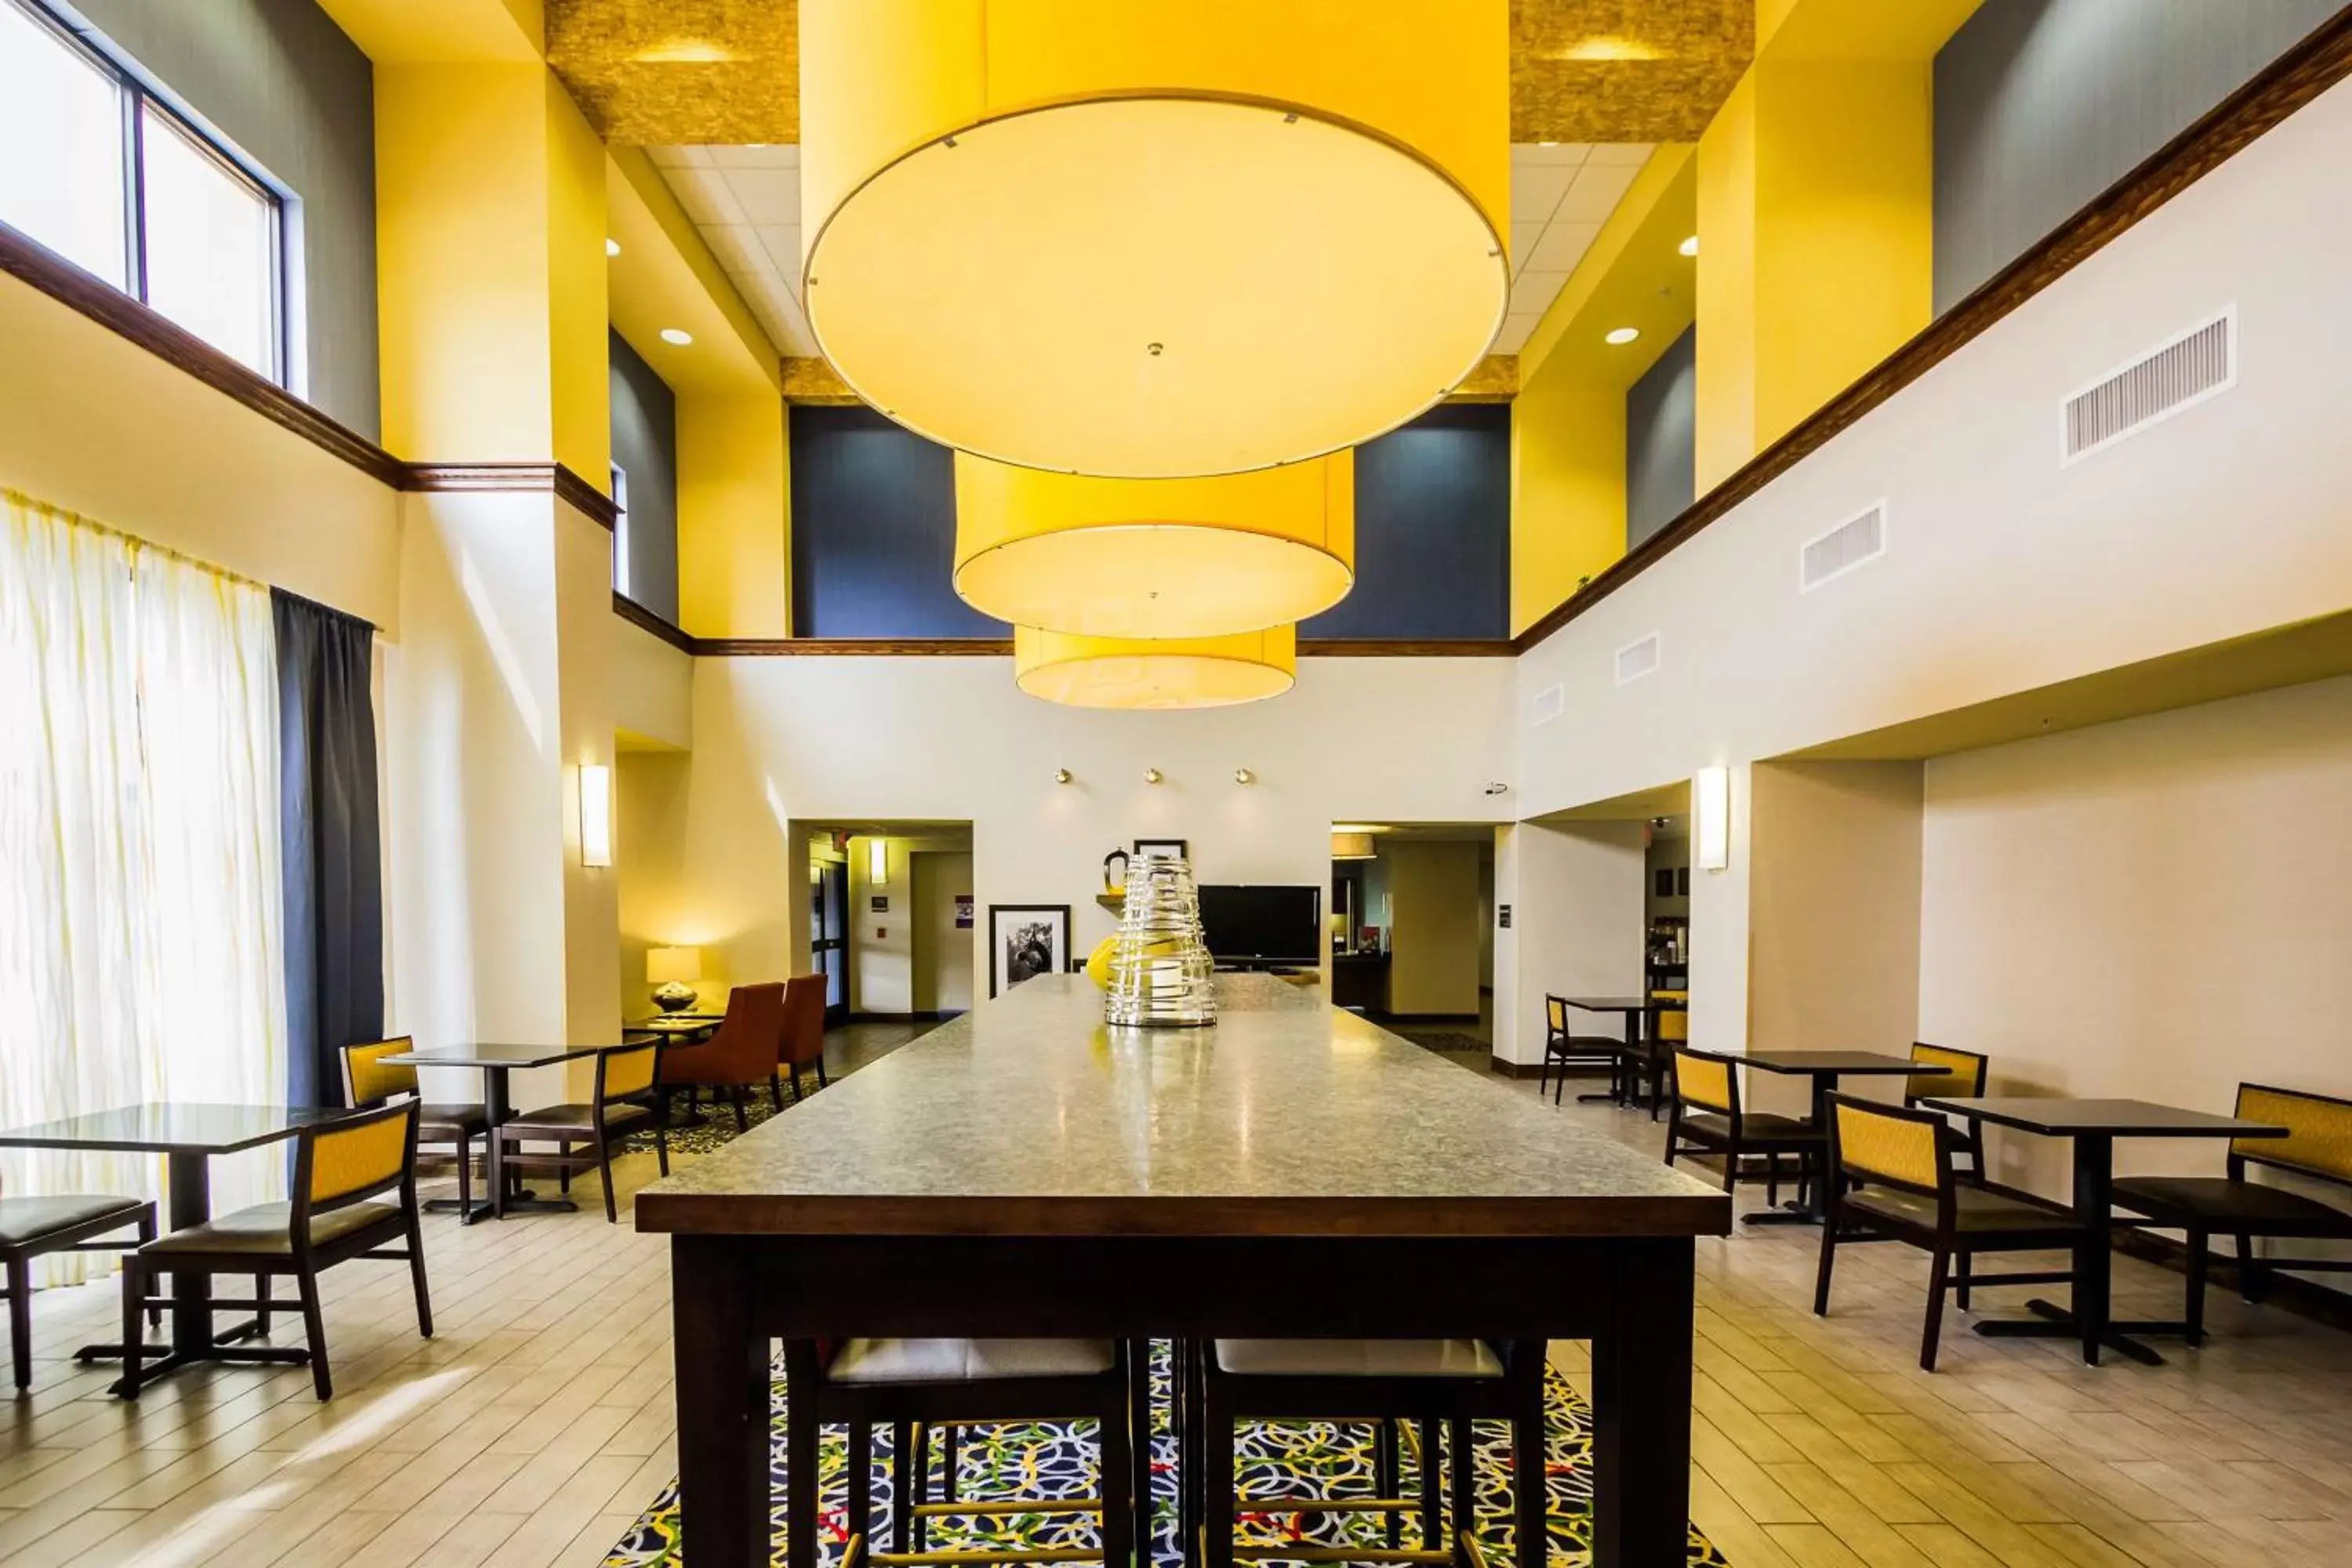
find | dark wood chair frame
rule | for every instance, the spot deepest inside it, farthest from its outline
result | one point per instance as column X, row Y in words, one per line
column 1951, row 1250
column 788, row 1067
column 1564, row 1049
column 1214, row 1401
column 2255, row 1274
column 16, row 1260
column 455, row 1133
column 913, row 1409
column 1655, row 1056
column 598, row 1134
column 1685, row 1138
column 1970, row 1134
column 305, row 1261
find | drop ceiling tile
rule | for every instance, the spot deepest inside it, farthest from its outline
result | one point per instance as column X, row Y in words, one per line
column 1626, row 154
column 1562, row 247
column 1536, row 290
column 781, row 244
column 704, row 195
column 1566, row 153
column 774, row 155
column 673, row 157
column 1523, row 240
column 767, row 195
column 1536, row 190
column 1515, row 330
column 1596, row 190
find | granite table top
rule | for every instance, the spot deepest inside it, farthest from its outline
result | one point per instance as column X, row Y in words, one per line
column 1028, row 1116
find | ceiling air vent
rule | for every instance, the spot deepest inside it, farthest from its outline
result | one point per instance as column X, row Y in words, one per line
column 1636, row 659
column 1550, row 703
column 2199, row 364
column 1859, row 539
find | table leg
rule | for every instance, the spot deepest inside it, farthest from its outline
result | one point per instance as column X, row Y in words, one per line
column 1621, row 1076
column 722, row 1407
column 1815, row 1210
column 1641, row 1409
column 507, row 1192
column 2090, row 1317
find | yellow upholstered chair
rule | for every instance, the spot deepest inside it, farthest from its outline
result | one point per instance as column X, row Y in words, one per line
column 342, row 1171
column 1564, row 1049
column 1891, row 1178
column 627, row 1100
column 1961, row 1076
column 2317, row 1148
column 370, row 1080
column 30, row 1228
column 1707, row 1119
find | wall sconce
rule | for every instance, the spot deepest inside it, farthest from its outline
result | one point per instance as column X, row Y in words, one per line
column 1061, row 776
column 595, row 814
column 1243, row 776
column 1711, row 817
column 877, row 861
column 1152, row 775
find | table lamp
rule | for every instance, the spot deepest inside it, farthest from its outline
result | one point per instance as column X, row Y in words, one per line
column 672, row 971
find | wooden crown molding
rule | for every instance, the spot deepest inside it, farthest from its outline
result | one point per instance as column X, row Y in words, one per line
column 1002, row 648
column 543, row 478
column 636, row 615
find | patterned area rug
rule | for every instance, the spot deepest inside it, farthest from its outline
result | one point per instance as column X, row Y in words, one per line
column 1056, row 1459
column 717, row 1128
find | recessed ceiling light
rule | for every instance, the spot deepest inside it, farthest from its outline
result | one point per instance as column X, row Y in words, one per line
column 1689, row 247
column 676, row 335
column 1547, row 143
column 612, row 248
column 1617, row 336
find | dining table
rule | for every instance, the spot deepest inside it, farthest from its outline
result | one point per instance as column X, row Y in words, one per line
column 1290, row 1170
column 496, row 1062
column 1824, row 1068
column 2094, row 1126
column 188, row 1135
column 1635, row 1011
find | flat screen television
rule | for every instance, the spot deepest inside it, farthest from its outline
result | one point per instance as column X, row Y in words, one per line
column 1262, row 925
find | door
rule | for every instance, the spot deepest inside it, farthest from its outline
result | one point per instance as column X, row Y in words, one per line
column 829, row 935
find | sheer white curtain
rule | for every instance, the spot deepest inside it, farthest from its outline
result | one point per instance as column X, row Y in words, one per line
column 139, row 849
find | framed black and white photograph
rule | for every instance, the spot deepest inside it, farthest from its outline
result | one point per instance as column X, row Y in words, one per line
column 1174, row 848
column 1026, row 941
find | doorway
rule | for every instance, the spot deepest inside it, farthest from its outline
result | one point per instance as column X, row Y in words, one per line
column 829, row 934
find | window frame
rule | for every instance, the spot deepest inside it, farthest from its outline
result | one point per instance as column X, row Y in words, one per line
column 136, row 95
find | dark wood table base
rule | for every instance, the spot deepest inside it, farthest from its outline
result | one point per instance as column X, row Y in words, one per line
column 2052, row 1321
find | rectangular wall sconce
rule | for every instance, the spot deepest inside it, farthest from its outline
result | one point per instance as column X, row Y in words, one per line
column 595, row 814
column 1711, row 817
column 877, row 861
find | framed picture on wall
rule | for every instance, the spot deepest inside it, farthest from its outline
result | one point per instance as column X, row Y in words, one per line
column 1666, row 881
column 1682, row 881
column 1176, row 849
column 1026, row 941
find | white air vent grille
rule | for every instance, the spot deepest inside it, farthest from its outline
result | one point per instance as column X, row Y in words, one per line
column 1550, row 703
column 1636, row 659
column 1859, row 539
column 2201, row 362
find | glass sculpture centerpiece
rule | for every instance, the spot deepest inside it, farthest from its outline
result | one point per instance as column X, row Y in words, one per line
column 1160, row 974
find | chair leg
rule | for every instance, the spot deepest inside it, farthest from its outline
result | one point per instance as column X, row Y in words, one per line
column 1961, row 1264
column 261, row 1294
column 2253, row 1284
column 465, row 1174
column 2198, row 1264
column 802, row 1430
column 605, row 1170
column 822, row 1081
column 1139, row 1407
column 902, row 1485
column 776, row 1089
column 1937, row 1267
column 1432, row 1497
column 661, row 1140
column 950, row 1458
column 861, row 1481
column 20, row 1316
column 1772, row 1180
column 1530, row 1481
column 1385, row 1478
column 146, row 1235
column 743, row 1117
column 1829, row 1262
column 1459, row 1457
column 1117, row 1462
column 314, row 1330
column 417, row 1268
column 1217, row 1500
column 134, row 1326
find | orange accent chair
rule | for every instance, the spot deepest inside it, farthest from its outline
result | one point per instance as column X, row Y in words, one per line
column 740, row 1054
column 803, row 1042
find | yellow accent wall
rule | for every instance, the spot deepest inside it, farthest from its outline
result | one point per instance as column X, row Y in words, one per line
column 734, row 530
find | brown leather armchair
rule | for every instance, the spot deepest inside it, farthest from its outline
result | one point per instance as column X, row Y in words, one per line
column 740, row 1054
column 802, row 1044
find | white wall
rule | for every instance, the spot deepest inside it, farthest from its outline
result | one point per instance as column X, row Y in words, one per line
column 652, row 686
column 942, row 952
column 1575, row 893
column 881, row 943
column 2155, row 909
column 860, row 738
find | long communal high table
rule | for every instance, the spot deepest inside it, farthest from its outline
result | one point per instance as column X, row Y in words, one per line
column 1290, row 1170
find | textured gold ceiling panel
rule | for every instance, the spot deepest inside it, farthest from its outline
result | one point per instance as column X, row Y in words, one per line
column 1496, row 379
column 660, row 72
column 1625, row 70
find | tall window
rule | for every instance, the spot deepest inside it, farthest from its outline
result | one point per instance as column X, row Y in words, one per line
column 95, row 167
column 620, row 532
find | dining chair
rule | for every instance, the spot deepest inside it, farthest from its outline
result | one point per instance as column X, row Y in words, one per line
column 370, row 1080
column 1669, row 1030
column 1891, row 1180
column 625, row 1100
column 2317, row 1148
column 802, row 1043
column 1564, row 1049
column 1706, row 1118
column 739, row 1054
column 1961, row 1077
column 914, row 1385
column 342, row 1170
column 1409, row 1386
column 34, row 1228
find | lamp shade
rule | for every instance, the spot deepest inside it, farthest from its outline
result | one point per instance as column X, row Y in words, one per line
column 1155, row 558
column 1126, row 672
column 1352, row 846
column 668, row 965
column 1154, row 240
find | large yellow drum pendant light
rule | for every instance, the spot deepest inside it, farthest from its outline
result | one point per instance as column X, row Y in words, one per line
column 1155, row 558
column 1133, row 672
column 1148, row 240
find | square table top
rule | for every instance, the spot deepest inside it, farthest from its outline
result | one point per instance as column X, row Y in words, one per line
column 171, row 1127
column 1828, row 1063
column 2061, row 1117
column 493, row 1056
column 673, row 1024
column 1609, row 1004
column 1029, row 1116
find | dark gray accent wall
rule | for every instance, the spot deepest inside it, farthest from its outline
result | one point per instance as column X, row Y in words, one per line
column 1662, row 439
column 1433, row 530
column 2043, row 104
column 644, row 446
column 278, row 82
column 874, row 532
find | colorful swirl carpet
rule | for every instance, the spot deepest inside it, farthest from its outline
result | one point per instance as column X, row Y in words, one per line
column 1056, row 1459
